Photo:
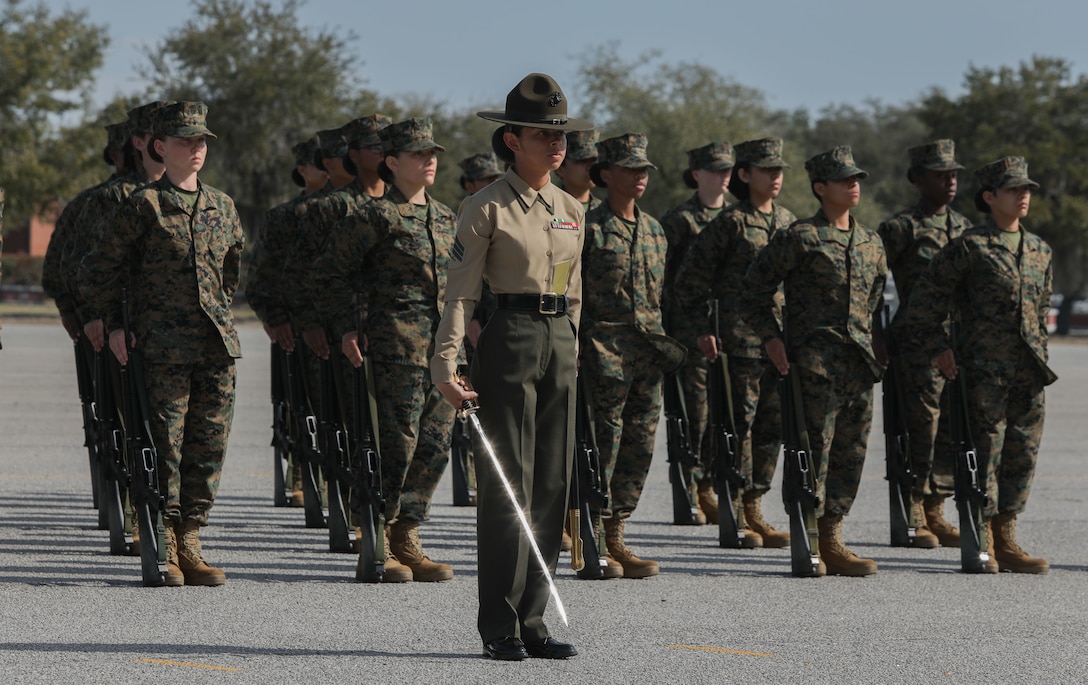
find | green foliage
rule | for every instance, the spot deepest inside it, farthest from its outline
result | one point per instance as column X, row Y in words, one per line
column 48, row 63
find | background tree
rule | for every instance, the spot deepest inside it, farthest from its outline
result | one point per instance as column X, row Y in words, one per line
column 51, row 148
column 1038, row 110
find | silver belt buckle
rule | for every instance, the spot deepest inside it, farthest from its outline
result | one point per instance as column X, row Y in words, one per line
column 545, row 298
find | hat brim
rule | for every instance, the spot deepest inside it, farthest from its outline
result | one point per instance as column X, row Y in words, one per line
column 944, row 166
column 551, row 124
column 1018, row 183
column 671, row 353
column 849, row 172
column 190, row 132
column 772, row 163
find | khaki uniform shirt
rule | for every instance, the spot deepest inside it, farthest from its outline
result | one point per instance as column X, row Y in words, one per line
column 518, row 240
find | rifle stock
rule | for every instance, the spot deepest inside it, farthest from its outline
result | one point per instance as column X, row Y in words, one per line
column 281, row 431
column 897, row 464
column 114, row 479
column 304, row 443
column 85, row 385
column 798, row 475
column 337, row 464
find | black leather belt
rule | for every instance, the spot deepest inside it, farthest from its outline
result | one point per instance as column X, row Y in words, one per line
column 549, row 304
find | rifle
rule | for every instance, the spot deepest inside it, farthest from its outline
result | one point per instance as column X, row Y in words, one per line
column 680, row 453
column 970, row 493
column 728, row 479
column 588, row 492
column 337, row 465
column 368, row 502
column 464, row 493
column 304, row 445
column 281, row 430
column 85, row 385
column 142, row 460
column 897, row 464
column 114, row 479
column 798, row 475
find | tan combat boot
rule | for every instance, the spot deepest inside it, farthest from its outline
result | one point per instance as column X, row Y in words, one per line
column 133, row 549
column 191, row 557
column 174, row 577
column 988, row 531
column 612, row 568
column 751, row 539
column 840, row 561
column 947, row 534
column 753, row 517
column 923, row 536
column 408, row 549
column 633, row 567
column 707, row 502
column 394, row 571
column 1010, row 556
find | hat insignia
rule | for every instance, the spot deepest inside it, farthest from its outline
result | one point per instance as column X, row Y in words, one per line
column 554, row 99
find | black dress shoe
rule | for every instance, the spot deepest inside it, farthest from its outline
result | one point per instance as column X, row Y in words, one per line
column 506, row 649
column 550, row 648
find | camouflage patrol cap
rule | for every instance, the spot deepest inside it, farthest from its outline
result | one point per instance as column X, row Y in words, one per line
column 410, row 135
column 582, row 145
column 330, row 143
column 304, row 151
column 116, row 137
column 836, row 164
column 182, row 120
column 363, row 132
column 627, row 151
column 1007, row 172
column 141, row 119
column 710, row 157
column 940, row 155
column 765, row 153
column 480, row 167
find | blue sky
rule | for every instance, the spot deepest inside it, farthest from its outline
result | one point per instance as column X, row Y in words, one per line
column 800, row 54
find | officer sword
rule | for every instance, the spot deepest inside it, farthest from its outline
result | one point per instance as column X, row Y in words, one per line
column 468, row 410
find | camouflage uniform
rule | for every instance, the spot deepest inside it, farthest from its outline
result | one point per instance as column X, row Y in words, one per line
column 397, row 254
column 582, row 145
column 185, row 262
column 682, row 224
column 714, row 269
column 911, row 239
column 834, row 282
column 54, row 282
column 1002, row 298
column 623, row 273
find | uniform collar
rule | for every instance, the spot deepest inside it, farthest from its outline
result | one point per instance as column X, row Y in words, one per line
column 527, row 197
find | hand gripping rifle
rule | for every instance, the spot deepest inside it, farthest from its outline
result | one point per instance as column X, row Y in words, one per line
column 588, row 493
column 85, row 384
column 798, row 475
column 304, row 445
column 680, row 452
column 728, row 480
column 897, row 464
column 143, row 461
column 367, row 502
column 281, row 430
column 337, row 464
column 114, row 479
column 970, row 488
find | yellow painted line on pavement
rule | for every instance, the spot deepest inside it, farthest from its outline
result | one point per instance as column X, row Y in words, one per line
column 166, row 662
column 720, row 650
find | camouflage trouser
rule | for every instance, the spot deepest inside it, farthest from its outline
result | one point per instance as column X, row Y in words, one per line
column 1006, row 419
column 838, row 415
column 931, row 457
column 192, row 406
column 693, row 382
column 414, row 432
column 757, row 415
column 626, row 413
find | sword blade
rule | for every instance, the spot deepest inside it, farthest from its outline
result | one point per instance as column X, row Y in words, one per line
column 475, row 421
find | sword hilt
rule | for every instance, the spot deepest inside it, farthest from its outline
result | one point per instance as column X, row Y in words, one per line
column 467, row 407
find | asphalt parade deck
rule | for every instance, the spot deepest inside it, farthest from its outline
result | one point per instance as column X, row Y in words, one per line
column 291, row 611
